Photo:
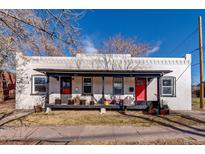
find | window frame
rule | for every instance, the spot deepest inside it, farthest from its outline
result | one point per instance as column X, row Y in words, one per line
column 173, row 86
column 33, row 92
column 122, row 79
column 83, row 92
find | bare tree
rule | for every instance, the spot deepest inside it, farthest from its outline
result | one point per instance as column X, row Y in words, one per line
column 7, row 55
column 38, row 32
column 117, row 62
column 122, row 45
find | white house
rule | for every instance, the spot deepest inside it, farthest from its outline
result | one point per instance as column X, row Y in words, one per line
column 103, row 80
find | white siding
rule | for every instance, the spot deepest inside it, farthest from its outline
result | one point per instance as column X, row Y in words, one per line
column 77, row 85
column 97, row 85
column 152, row 89
column 108, row 85
column 183, row 98
column 97, row 88
column 129, row 82
column 180, row 67
column 54, row 89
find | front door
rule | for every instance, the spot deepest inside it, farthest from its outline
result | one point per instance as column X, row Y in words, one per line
column 140, row 89
column 66, row 89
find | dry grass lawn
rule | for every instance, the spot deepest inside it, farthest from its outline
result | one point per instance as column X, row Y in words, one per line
column 69, row 117
column 7, row 106
column 77, row 117
column 196, row 103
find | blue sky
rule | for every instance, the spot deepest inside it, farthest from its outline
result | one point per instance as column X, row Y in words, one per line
column 173, row 32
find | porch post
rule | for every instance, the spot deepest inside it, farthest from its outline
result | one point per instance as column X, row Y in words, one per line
column 158, row 96
column 47, row 92
column 103, row 88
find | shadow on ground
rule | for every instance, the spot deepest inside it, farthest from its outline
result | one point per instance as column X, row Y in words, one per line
column 171, row 125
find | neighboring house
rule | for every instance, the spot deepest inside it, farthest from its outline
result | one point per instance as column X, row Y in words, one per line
column 196, row 90
column 7, row 85
column 87, row 80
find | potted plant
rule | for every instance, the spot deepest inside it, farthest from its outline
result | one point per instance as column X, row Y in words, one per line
column 92, row 102
column 164, row 110
column 38, row 108
column 57, row 101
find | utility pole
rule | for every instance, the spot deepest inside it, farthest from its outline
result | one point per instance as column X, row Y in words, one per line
column 201, row 64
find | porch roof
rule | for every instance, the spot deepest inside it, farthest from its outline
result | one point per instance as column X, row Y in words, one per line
column 123, row 73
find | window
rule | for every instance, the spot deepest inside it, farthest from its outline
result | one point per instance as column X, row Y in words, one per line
column 117, row 86
column 39, row 84
column 168, row 86
column 131, row 89
column 87, row 85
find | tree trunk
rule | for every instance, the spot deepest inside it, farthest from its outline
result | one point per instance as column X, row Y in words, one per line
column 1, row 88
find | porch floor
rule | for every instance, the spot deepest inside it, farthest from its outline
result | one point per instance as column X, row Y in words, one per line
column 96, row 106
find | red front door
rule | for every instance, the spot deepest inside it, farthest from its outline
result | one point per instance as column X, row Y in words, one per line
column 66, row 85
column 140, row 89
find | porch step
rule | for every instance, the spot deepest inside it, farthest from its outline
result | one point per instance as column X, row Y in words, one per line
column 138, row 107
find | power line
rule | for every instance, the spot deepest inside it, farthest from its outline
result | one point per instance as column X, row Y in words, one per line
column 201, row 47
column 194, row 80
column 183, row 41
column 195, row 54
column 194, row 50
column 196, row 64
column 183, row 72
column 189, row 65
column 186, row 69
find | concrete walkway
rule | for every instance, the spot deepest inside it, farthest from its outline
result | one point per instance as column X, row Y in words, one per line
column 125, row 133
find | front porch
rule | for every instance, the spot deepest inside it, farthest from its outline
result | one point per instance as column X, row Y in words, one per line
column 97, row 107
column 114, row 90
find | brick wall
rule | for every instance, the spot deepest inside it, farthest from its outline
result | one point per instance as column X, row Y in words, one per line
column 7, row 85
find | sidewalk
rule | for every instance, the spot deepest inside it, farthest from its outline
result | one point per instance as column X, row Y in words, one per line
column 125, row 133
column 196, row 115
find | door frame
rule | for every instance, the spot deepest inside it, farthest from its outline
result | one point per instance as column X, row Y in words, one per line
column 61, row 88
column 145, row 79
